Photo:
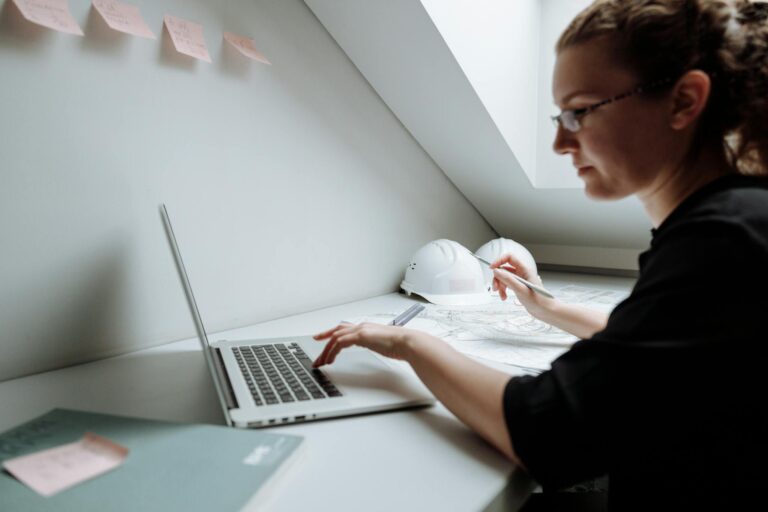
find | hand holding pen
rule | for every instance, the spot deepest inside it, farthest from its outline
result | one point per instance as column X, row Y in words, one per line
column 505, row 273
column 386, row 340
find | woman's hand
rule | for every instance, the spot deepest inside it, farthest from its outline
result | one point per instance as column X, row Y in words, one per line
column 578, row 320
column 535, row 303
column 387, row 340
column 470, row 390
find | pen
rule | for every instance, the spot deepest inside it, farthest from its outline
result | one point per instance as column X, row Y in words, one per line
column 529, row 284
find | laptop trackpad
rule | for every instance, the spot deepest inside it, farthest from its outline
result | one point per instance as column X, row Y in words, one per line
column 358, row 370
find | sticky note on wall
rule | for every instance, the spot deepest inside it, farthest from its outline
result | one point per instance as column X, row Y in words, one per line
column 187, row 37
column 53, row 14
column 245, row 46
column 123, row 18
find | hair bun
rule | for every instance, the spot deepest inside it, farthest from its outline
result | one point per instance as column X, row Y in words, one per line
column 753, row 12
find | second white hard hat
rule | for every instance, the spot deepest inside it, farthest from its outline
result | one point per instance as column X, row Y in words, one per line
column 444, row 272
column 497, row 248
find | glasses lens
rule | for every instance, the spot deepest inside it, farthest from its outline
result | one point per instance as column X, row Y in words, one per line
column 570, row 121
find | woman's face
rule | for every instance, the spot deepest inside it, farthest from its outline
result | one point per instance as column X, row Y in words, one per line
column 622, row 148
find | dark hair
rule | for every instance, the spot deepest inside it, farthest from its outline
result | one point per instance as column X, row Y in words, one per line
column 726, row 39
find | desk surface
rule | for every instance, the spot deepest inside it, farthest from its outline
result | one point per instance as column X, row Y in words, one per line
column 421, row 459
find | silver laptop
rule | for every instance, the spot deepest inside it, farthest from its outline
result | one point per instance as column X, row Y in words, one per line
column 264, row 382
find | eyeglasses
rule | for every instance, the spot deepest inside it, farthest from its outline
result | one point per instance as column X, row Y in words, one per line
column 571, row 119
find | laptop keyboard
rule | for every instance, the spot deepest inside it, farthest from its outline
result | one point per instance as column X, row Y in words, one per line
column 282, row 373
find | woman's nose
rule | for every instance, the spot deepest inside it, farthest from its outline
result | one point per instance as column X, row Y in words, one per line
column 565, row 141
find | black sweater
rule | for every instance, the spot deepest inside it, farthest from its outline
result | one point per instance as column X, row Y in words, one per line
column 670, row 399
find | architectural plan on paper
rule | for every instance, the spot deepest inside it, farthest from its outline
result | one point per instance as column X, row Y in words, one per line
column 597, row 298
column 503, row 331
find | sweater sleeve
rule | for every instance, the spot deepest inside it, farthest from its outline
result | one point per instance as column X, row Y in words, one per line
column 547, row 423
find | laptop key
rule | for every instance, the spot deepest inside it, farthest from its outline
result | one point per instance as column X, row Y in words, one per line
column 282, row 373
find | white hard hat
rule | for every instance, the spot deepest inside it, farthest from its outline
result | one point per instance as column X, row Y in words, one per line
column 495, row 249
column 444, row 272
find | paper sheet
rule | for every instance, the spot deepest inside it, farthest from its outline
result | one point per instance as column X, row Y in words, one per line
column 503, row 331
column 530, row 357
column 123, row 18
column 50, row 471
column 187, row 37
column 245, row 46
column 597, row 298
column 53, row 14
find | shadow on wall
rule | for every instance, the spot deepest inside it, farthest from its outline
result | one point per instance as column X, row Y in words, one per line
column 385, row 149
column 99, row 38
column 19, row 32
column 311, row 82
column 168, row 56
column 233, row 64
column 64, row 315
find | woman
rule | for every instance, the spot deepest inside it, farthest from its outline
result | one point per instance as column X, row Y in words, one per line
column 664, row 100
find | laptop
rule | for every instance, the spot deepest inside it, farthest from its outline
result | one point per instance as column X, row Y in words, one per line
column 267, row 382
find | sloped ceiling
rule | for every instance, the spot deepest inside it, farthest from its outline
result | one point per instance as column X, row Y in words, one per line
column 401, row 53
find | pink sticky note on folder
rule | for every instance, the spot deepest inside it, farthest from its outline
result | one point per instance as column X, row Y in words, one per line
column 55, row 469
column 246, row 46
column 187, row 37
column 123, row 18
column 53, row 14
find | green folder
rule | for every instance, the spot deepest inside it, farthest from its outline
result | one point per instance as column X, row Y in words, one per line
column 170, row 466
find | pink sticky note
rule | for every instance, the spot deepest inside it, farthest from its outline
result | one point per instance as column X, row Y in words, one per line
column 187, row 37
column 123, row 18
column 55, row 469
column 245, row 46
column 52, row 14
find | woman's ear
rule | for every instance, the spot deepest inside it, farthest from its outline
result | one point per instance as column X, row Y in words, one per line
column 689, row 97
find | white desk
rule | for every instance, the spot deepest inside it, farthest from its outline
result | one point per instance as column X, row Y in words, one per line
column 422, row 459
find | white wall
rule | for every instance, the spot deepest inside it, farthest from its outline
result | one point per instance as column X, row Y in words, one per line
column 552, row 170
column 291, row 187
column 496, row 43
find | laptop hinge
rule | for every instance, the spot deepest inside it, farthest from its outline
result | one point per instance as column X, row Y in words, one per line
column 226, row 385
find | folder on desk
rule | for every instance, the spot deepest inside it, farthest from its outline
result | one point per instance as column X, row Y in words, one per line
column 170, row 466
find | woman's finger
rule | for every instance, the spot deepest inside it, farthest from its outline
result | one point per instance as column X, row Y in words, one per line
column 336, row 333
column 506, row 279
column 508, row 258
column 320, row 360
column 338, row 347
column 506, row 276
column 329, row 332
column 502, row 288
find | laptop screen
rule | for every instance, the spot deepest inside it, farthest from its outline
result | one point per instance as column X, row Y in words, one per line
column 207, row 350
